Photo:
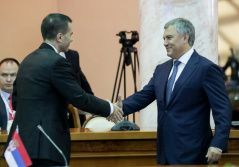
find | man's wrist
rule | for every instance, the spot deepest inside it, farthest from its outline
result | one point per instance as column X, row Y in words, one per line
column 218, row 149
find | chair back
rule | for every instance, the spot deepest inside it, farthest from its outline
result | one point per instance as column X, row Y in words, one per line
column 75, row 116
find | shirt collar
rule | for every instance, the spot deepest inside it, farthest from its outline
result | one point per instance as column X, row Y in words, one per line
column 52, row 47
column 62, row 54
column 184, row 58
column 5, row 94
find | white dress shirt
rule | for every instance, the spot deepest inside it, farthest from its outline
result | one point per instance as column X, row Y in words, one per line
column 183, row 59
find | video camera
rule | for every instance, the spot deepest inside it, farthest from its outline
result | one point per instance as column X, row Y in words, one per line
column 128, row 42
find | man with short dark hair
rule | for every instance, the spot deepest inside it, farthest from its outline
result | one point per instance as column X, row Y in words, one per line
column 186, row 88
column 8, row 73
column 44, row 84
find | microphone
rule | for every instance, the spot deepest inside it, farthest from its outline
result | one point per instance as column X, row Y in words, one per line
column 58, row 149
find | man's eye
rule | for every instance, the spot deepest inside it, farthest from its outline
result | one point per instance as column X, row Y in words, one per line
column 4, row 75
column 13, row 75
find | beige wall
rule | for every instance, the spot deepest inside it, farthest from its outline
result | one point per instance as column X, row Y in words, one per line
column 20, row 26
column 95, row 25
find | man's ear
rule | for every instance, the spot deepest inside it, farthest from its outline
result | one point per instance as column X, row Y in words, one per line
column 59, row 37
column 186, row 38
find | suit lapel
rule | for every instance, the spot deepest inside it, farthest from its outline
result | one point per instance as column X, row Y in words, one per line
column 186, row 73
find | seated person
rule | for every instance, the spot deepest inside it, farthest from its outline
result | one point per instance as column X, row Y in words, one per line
column 8, row 73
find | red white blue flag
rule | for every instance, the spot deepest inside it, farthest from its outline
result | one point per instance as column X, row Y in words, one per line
column 16, row 154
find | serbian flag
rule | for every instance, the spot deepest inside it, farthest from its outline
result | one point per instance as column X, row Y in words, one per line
column 16, row 154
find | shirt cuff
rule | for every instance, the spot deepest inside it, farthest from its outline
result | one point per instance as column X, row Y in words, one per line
column 218, row 149
column 111, row 108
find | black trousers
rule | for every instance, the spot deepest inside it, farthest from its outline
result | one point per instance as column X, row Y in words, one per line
column 166, row 163
column 44, row 163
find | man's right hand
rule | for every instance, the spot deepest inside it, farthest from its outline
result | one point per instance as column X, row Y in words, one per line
column 116, row 116
column 119, row 102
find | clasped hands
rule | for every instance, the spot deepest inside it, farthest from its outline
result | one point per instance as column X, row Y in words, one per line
column 117, row 115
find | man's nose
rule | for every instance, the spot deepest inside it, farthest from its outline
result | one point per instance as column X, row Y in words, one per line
column 9, row 78
column 165, row 43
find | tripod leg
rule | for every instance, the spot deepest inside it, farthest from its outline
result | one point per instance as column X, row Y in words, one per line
column 122, row 70
column 135, row 88
column 127, row 118
column 137, row 58
column 134, row 74
column 116, row 78
column 135, row 70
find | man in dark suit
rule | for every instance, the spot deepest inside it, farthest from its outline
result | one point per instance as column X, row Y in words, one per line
column 186, row 87
column 8, row 73
column 73, row 57
column 44, row 84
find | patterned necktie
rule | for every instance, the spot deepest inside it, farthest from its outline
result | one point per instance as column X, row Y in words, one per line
column 171, row 81
column 10, row 105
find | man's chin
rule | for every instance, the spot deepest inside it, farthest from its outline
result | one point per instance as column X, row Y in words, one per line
column 66, row 49
column 169, row 55
column 8, row 90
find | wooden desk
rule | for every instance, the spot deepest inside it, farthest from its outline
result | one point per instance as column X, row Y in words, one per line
column 127, row 148
column 121, row 148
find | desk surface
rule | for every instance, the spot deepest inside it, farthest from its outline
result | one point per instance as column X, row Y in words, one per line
column 86, row 134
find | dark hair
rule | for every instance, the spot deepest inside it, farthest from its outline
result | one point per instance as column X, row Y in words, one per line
column 183, row 26
column 53, row 24
column 10, row 60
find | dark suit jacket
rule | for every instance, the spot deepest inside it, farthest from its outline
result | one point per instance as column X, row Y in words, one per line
column 3, row 115
column 44, row 84
column 184, row 134
column 73, row 57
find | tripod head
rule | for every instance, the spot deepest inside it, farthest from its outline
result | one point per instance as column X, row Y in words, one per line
column 128, row 42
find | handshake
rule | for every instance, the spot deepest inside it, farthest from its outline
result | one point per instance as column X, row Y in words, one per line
column 117, row 115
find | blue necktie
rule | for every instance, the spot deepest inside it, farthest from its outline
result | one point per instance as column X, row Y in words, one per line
column 171, row 81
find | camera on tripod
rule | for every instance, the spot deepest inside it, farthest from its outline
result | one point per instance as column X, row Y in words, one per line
column 125, row 53
column 128, row 42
